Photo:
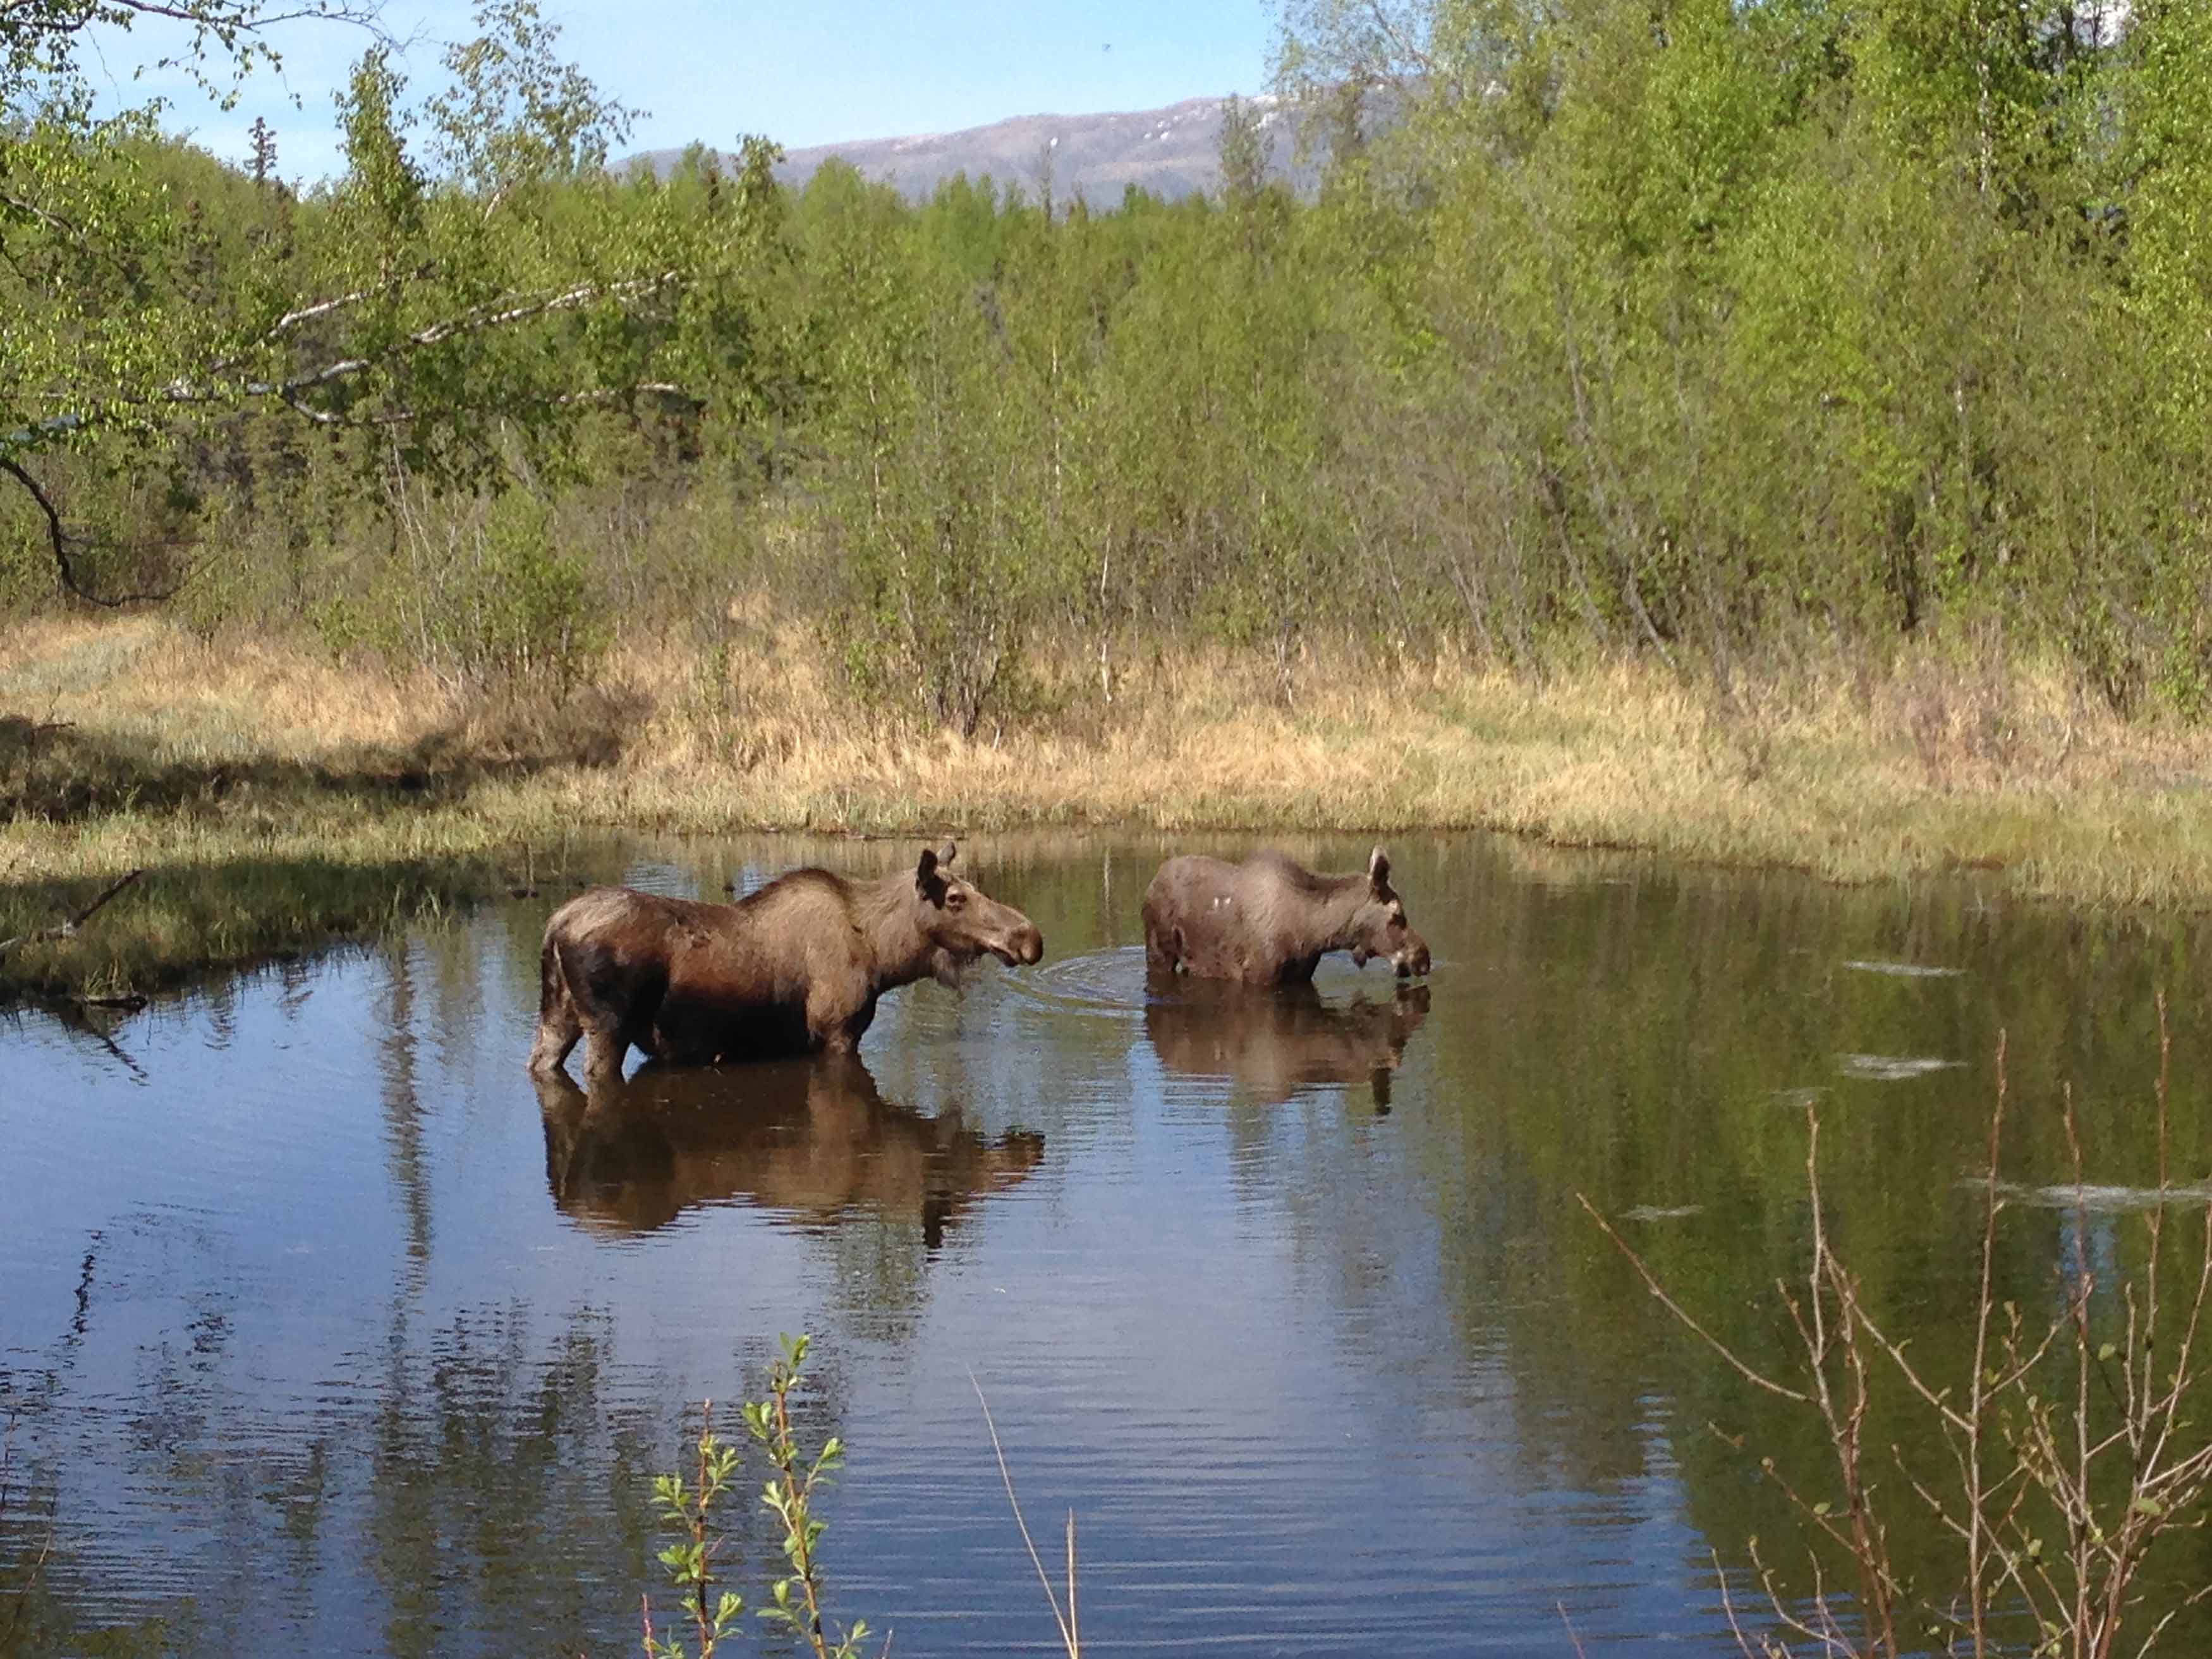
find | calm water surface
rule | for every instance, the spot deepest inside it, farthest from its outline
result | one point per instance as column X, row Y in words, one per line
column 323, row 1328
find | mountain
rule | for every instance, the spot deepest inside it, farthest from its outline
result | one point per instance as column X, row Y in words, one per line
column 1169, row 152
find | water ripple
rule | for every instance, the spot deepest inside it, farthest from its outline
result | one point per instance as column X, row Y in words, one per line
column 1902, row 969
column 1891, row 1068
column 1109, row 982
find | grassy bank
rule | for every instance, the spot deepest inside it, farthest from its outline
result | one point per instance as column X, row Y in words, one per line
column 277, row 799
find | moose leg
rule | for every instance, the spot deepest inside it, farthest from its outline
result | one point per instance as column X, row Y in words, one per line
column 617, row 1000
column 557, row 1034
column 837, row 1019
column 558, row 1025
column 604, row 1049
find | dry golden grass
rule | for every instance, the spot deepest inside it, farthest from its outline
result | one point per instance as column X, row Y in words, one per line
column 130, row 742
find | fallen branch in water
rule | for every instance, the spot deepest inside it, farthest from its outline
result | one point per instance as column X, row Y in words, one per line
column 67, row 929
column 130, row 1002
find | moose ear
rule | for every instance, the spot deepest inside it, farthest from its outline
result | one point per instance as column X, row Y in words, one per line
column 926, row 881
column 950, row 853
column 1378, row 870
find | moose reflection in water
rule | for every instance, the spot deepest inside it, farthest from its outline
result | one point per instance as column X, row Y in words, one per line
column 1274, row 1043
column 812, row 1138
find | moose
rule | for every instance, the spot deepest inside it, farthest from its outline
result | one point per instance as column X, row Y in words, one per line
column 1275, row 1043
column 810, row 1138
column 794, row 968
column 1269, row 921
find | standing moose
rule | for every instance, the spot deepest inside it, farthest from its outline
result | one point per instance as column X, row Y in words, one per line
column 1269, row 921
column 794, row 967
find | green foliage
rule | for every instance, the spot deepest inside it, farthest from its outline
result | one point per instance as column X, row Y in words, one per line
column 795, row 1598
column 690, row 1562
column 464, row 315
column 938, row 522
column 1710, row 331
column 520, row 607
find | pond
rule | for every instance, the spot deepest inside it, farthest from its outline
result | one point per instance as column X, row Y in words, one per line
column 325, row 1329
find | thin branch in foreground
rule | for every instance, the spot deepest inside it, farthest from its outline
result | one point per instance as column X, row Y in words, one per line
column 1069, row 1636
column 2044, row 1445
column 1573, row 1634
column 1651, row 1283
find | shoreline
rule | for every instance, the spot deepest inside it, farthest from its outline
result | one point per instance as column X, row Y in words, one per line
column 279, row 802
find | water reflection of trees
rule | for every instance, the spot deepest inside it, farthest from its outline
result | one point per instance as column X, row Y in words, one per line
column 486, row 1493
column 1637, row 1042
column 505, row 1487
column 1649, row 1038
column 1644, row 1043
column 474, row 1480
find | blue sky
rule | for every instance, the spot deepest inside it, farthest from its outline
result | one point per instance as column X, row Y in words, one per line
column 803, row 74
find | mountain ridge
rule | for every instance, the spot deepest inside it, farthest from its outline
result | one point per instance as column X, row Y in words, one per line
column 1172, row 151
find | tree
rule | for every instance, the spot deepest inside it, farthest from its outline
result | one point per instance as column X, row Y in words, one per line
column 453, row 308
column 1245, row 149
column 263, row 162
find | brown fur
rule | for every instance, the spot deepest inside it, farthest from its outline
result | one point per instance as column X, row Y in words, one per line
column 1273, row 1044
column 1269, row 921
column 811, row 1137
column 794, row 967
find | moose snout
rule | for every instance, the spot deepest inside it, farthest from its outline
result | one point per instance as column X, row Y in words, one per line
column 1413, row 960
column 1028, row 945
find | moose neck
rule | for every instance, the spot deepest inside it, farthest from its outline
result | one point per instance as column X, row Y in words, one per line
column 886, row 911
column 1338, row 903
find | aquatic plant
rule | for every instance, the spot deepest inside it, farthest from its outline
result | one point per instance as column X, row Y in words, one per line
column 2069, row 1448
column 1071, row 1635
column 794, row 1599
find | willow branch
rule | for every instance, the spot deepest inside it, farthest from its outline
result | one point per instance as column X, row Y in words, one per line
column 1651, row 1283
column 501, row 314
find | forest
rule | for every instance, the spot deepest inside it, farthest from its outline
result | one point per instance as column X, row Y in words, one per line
column 1719, row 333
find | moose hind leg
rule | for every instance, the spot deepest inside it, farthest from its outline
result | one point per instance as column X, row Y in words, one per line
column 1163, row 950
column 618, row 1004
column 558, row 1025
column 605, row 1050
column 557, row 1033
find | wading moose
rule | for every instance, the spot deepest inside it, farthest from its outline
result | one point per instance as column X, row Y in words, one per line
column 1269, row 921
column 794, row 968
